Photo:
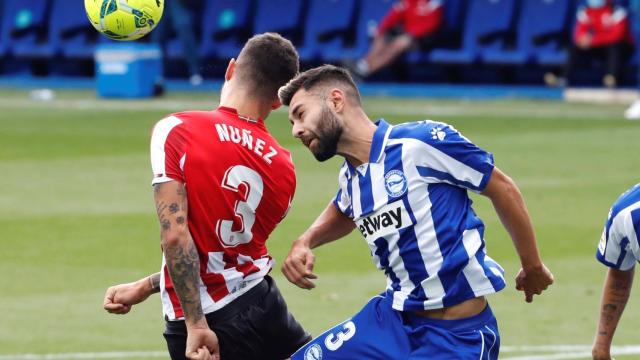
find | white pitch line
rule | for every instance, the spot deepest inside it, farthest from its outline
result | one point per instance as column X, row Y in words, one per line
column 558, row 352
column 88, row 355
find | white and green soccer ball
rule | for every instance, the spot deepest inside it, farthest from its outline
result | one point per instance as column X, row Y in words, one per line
column 124, row 19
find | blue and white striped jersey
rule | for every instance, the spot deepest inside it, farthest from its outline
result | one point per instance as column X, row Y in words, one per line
column 619, row 247
column 410, row 203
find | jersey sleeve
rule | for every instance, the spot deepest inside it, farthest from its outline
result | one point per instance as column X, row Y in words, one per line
column 614, row 249
column 168, row 151
column 447, row 156
column 342, row 201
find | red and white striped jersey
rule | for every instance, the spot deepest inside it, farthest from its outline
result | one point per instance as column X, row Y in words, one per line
column 240, row 183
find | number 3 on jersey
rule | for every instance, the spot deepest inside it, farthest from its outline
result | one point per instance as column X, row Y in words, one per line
column 245, row 210
column 334, row 341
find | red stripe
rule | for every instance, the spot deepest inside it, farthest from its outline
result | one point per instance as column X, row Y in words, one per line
column 175, row 302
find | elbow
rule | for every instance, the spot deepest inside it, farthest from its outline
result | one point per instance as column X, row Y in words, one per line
column 171, row 239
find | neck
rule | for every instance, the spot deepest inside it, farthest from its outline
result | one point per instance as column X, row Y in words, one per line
column 356, row 139
column 245, row 105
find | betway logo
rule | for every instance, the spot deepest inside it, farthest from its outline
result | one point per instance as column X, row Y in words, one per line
column 387, row 220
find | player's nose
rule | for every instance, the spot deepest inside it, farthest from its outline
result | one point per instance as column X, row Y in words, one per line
column 297, row 131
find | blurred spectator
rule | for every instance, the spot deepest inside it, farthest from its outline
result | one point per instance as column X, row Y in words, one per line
column 409, row 24
column 602, row 31
column 178, row 16
column 633, row 113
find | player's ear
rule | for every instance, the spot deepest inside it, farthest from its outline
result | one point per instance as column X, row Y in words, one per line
column 231, row 68
column 337, row 99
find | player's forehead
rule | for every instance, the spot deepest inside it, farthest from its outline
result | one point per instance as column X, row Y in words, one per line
column 300, row 100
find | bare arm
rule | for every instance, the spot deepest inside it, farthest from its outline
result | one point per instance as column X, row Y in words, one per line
column 183, row 263
column 507, row 200
column 120, row 298
column 617, row 287
column 329, row 226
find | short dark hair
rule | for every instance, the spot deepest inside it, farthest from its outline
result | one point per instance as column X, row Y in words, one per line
column 266, row 62
column 321, row 75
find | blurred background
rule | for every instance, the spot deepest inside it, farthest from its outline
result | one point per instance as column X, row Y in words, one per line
column 546, row 85
column 452, row 41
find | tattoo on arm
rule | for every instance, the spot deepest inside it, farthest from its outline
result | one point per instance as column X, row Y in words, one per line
column 616, row 294
column 181, row 254
column 184, row 268
column 154, row 282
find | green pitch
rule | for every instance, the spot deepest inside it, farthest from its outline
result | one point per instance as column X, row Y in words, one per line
column 76, row 215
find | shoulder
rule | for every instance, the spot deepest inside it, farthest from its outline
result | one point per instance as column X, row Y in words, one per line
column 624, row 216
column 629, row 199
column 427, row 131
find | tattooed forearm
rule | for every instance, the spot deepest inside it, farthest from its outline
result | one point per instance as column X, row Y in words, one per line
column 179, row 249
column 617, row 288
column 184, row 268
column 154, row 282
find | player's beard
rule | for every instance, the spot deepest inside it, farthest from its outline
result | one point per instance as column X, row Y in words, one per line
column 327, row 136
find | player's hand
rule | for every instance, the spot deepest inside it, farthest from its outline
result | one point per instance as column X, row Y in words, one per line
column 202, row 344
column 533, row 281
column 298, row 266
column 120, row 298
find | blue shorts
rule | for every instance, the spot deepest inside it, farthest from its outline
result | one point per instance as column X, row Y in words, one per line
column 380, row 332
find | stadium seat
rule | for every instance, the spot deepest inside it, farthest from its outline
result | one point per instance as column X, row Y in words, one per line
column 226, row 24
column 448, row 35
column 25, row 28
column 3, row 40
column 328, row 27
column 487, row 26
column 282, row 16
column 72, row 30
column 540, row 34
column 370, row 14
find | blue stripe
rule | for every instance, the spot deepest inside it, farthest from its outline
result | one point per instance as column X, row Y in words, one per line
column 623, row 252
column 350, row 193
column 496, row 281
column 382, row 252
column 393, row 160
column 449, row 211
column 366, row 195
column 635, row 218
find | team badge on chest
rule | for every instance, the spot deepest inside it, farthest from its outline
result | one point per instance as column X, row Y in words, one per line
column 395, row 183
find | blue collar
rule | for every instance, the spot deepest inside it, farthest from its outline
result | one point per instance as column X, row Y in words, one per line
column 378, row 143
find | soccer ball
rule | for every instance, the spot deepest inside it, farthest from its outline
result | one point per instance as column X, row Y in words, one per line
column 124, row 19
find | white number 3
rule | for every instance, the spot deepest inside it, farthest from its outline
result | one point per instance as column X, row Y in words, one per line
column 245, row 210
column 334, row 341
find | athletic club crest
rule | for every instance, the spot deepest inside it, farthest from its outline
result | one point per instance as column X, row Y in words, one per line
column 313, row 352
column 395, row 183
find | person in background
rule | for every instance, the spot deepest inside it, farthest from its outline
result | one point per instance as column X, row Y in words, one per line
column 178, row 16
column 602, row 30
column 633, row 112
column 409, row 24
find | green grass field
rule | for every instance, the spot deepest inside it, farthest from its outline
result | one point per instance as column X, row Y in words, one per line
column 76, row 215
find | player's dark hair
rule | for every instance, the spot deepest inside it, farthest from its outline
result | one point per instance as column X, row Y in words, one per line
column 266, row 62
column 325, row 75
